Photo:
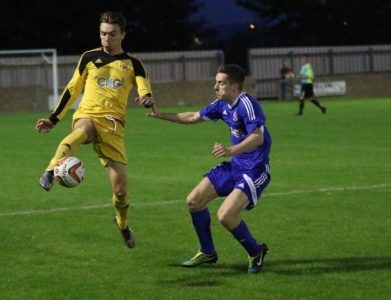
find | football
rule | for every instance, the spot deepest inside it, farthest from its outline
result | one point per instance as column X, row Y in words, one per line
column 69, row 171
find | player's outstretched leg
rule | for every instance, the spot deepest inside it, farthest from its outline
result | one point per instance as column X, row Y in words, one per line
column 67, row 146
column 47, row 180
column 256, row 262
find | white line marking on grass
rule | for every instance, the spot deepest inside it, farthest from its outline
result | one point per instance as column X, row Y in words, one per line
column 52, row 210
column 297, row 192
column 330, row 189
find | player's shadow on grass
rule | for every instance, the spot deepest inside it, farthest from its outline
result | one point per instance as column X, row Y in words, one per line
column 327, row 265
column 221, row 268
column 210, row 276
column 194, row 277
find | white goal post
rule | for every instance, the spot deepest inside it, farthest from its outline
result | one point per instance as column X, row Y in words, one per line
column 27, row 68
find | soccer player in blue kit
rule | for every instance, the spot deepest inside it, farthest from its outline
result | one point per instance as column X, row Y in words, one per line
column 241, row 180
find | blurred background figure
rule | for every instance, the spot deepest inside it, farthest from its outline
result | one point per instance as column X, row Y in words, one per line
column 286, row 81
column 307, row 87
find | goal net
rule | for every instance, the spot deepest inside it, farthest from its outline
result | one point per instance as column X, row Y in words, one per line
column 28, row 80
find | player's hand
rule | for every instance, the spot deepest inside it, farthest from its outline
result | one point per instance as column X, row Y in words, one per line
column 154, row 113
column 146, row 101
column 219, row 150
column 44, row 125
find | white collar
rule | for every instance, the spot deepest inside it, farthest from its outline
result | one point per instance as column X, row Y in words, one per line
column 236, row 100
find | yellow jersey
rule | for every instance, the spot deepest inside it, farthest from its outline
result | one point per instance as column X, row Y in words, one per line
column 107, row 81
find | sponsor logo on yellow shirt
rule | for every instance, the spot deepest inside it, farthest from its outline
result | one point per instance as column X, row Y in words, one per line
column 110, row 83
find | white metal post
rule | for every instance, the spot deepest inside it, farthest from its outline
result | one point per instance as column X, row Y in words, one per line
column 55, row 77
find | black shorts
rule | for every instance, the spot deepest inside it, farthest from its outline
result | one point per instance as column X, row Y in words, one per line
column 307, row 90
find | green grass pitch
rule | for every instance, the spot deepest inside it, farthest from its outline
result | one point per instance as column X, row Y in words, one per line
column 325, row 215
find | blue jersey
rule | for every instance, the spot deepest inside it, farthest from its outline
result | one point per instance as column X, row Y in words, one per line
column 242, row 118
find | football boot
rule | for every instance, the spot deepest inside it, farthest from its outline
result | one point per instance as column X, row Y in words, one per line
column 47, row 180
column 200, row 258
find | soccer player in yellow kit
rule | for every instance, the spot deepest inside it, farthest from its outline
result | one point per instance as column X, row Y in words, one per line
column 107, row 75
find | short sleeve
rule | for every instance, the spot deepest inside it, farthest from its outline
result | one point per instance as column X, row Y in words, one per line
column 212, row 111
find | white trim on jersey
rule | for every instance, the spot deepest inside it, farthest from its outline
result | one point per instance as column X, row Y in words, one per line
column 249, row 107
column 233, row 103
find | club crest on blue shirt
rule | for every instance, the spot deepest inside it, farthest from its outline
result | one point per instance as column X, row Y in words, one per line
column 236, row 132
column 235, row 116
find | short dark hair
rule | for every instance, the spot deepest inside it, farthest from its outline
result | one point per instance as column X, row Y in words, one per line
column 236, row 74
column 114, row 17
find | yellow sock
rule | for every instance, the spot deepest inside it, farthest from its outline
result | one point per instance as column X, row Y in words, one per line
column 68, row 146
column 121, row 205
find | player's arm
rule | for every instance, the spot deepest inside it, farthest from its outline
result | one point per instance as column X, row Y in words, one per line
column 254, row 139
column 68, row 97
column 182, row 117
column 145, row 92
column 144, row 89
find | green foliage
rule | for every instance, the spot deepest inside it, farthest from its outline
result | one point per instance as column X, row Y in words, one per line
column 325, row 215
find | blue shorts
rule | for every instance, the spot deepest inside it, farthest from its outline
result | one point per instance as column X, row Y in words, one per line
column 225, row 178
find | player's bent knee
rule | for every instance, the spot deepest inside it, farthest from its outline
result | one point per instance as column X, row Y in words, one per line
column 192, row 203
column 221, row 215
column 224, row 217
column 120, row 194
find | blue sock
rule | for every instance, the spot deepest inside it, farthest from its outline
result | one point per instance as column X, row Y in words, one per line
column 243, row 235
column 201, row 222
